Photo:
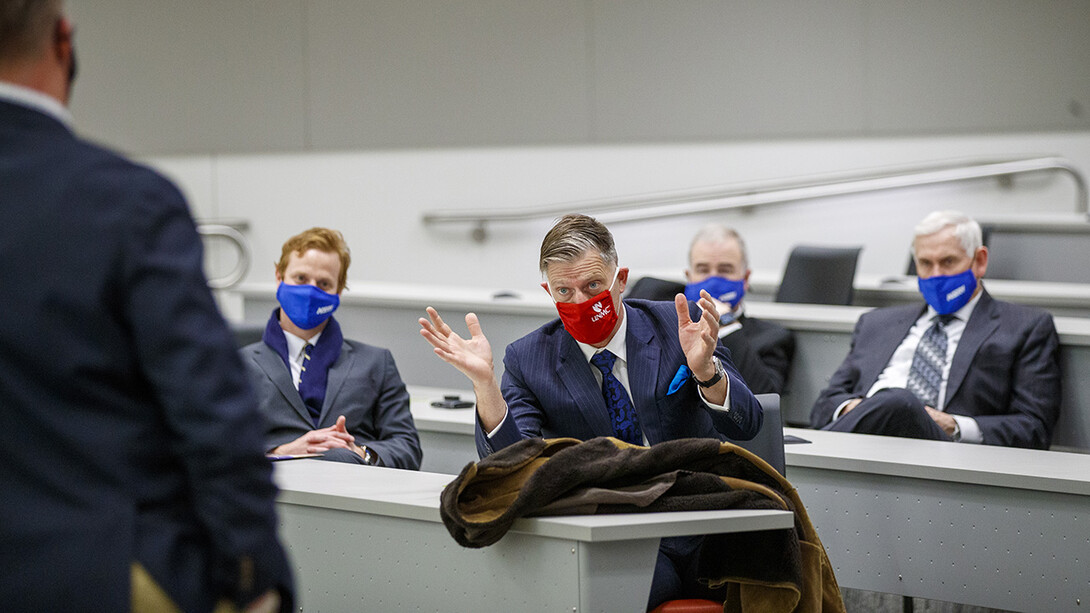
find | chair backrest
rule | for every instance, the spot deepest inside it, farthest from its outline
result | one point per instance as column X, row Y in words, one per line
column 819, row 275
column 247, row 333
column 768, row 444
column 650, row 288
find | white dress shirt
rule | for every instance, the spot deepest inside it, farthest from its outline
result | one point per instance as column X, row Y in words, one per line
column 295, row 354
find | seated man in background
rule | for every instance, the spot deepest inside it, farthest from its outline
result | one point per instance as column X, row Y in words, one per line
column 761, row 350
column 640, row 371
column 319, row 392
column 963, row 367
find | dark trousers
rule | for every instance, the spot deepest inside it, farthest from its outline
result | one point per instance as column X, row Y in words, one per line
column 890, row 412
column 675, row 573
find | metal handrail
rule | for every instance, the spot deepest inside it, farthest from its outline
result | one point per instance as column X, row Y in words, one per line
column 235, row 237
column 725, row 197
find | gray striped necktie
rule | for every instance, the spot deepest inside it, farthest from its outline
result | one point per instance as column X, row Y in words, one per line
column 925, row 374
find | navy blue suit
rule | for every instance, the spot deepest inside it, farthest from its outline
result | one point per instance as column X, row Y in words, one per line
column 1005, row 372
column 551, row 391
column 130, row 433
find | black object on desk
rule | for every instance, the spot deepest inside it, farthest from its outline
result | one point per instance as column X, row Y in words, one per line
column 452, row 402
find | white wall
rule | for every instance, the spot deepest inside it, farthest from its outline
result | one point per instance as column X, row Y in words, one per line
column 376, row 198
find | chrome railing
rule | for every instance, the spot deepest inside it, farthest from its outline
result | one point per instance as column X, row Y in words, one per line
column 725, row 197
column 232, row 234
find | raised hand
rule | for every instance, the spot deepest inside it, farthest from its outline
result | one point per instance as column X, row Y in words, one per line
column 472, row 356
column 698, row 338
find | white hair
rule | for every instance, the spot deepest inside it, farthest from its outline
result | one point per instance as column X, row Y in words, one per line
column 966, row 229
column 715, row 233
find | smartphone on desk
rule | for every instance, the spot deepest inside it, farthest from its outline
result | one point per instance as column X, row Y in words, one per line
column 452, row 402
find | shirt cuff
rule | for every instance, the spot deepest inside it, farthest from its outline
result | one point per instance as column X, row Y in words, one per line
column 840, row 409
column 497, row 428
column 725, row 407
column 970, row 430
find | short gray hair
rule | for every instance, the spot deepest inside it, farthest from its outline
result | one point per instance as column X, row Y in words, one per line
column 574, row 235
column 966, row 229
column 715, row 233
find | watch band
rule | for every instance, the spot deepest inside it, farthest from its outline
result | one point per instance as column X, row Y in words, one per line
column 719, row 373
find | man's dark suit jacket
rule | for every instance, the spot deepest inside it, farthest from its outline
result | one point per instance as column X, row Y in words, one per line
column 761, row 350
column 1005, row 372
column 363, row 385
column 130, row 433
column 551, row 391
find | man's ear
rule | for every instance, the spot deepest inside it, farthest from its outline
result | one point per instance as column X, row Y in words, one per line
column 276, row 272
column 622, row 280
column 980, row 262
column 688, row 275
column 745, row 279
column 545, row 286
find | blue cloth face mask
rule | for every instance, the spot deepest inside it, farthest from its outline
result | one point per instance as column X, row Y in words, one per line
column 948, row 293
column 721, row 288
column 305, row 305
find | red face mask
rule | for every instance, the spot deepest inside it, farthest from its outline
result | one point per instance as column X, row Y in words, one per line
column 591, row 321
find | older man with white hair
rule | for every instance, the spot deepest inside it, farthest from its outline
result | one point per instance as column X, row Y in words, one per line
column 962, row 367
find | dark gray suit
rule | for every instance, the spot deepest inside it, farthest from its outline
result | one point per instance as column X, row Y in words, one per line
column 363, row 385
column 1005, row 372
column 762, row 351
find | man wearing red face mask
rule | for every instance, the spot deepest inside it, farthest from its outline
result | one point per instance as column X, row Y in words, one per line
column 637, row 370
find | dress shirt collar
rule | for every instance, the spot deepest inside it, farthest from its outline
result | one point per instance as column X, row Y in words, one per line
column 33, row 99
column 961, row 314
column 616, row 344
column 296, row 345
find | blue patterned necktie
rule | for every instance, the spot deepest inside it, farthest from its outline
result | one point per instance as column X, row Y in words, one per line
column 315, row 411
column 925, row 374
column 626, row 426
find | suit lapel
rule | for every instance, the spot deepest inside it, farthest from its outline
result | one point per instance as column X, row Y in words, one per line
column 643, row 368
column 574, row 371
column 277, row 371
column 982, row 323
column 335, row 378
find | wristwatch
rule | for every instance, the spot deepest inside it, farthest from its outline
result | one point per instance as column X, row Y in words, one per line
column 369, row 458
column 719, row 374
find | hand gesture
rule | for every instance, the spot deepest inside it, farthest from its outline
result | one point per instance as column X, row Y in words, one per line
column 698, row 338
column 472, row 356
column 320, row 441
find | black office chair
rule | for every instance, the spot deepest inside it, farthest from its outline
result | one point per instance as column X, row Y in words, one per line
column 819, row 275
column 650, row 288
column 768, row 444
column 247, row 333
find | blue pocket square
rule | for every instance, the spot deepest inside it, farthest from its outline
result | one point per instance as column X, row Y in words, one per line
column 682, row 375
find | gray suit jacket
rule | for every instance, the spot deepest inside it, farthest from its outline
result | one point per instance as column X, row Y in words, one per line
column 1005, row 372
column 363, row 385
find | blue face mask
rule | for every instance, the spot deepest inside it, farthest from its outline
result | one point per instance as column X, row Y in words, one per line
column 948, row 293
column 305, row 305
column 722, row 289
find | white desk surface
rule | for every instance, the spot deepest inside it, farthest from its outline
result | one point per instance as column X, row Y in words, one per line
column 415, row 495
column 1028, row 469
column 427, row 417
